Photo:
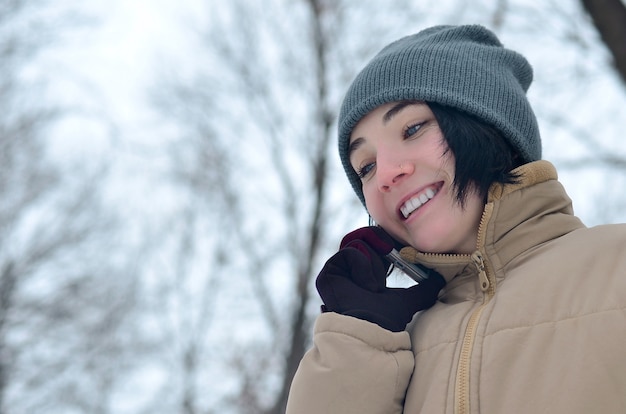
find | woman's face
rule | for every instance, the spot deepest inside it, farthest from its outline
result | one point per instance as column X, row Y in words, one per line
column 407, row 174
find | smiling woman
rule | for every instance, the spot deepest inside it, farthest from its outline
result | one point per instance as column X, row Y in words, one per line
column 408, row 179
column 442, row 147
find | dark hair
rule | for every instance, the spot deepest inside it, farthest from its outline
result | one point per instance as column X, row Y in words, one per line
column 482, row 155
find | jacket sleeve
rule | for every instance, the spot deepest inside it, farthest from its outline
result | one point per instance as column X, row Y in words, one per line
column 354, row 367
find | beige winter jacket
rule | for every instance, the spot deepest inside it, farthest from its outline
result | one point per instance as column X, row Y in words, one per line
column 533, row 322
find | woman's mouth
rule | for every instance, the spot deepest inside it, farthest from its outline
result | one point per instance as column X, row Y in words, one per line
column 418, row 200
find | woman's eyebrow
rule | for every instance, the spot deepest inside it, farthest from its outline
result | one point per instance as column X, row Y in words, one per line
column 397, row 108
column 354, row 145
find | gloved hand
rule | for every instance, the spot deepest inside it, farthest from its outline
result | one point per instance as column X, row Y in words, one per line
column 352, row 282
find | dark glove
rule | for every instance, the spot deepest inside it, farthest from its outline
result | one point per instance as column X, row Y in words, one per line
column 352, row 282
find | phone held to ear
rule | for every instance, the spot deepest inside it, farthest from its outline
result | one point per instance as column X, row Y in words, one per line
column 382, row 243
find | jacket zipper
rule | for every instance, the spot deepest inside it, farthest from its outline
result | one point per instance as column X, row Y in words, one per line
column 488, row 287
column 463, row 368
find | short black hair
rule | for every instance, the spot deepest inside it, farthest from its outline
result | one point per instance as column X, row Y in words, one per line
column 482, row 155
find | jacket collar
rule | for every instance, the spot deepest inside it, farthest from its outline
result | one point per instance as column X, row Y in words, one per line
column 516, row 218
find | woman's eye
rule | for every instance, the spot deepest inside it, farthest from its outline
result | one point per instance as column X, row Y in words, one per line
column 365, row 170
column 413, row 129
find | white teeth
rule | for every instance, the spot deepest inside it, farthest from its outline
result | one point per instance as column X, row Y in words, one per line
column 416, row 202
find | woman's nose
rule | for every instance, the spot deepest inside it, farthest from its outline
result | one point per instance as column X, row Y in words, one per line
column 391, row 172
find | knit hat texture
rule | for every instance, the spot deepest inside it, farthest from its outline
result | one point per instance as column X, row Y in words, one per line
column 464, row 67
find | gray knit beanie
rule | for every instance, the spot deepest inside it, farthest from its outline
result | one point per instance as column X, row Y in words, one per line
column 465, row 67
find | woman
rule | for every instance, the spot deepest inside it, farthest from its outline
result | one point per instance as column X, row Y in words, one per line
column 439, row 142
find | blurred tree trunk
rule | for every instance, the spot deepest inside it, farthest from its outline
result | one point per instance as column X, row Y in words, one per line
column 323, row 118
column 609, row 18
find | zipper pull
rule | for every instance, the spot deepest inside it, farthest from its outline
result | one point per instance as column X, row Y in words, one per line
column 477, row 258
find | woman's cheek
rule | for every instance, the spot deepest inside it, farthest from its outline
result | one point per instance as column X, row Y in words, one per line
column 373, row 202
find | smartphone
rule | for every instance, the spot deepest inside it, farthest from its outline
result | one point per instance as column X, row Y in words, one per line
column 413, row 271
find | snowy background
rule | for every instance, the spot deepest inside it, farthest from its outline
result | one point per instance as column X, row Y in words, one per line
column 160, row 225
